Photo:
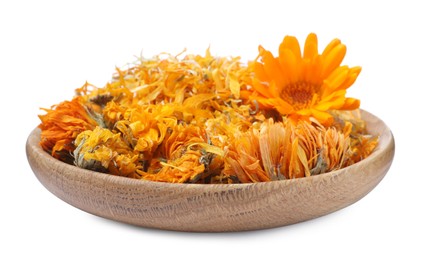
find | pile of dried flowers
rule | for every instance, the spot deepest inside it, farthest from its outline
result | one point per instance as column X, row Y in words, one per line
column 206, row 119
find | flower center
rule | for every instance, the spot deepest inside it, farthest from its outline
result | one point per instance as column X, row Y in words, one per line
column 299, row 94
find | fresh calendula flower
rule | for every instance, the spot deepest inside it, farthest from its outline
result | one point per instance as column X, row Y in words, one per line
column 304, row 84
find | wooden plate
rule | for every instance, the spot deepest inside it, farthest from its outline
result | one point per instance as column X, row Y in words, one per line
column 213, row 207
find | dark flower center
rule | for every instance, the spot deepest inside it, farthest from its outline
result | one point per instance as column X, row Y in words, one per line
column 299, row 94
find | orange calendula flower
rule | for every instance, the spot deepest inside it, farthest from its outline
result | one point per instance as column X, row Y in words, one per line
column 307, row 84
column 279, row 151
column 186, row 168
column 62, row 124
column 185, row 156
column 105, row 151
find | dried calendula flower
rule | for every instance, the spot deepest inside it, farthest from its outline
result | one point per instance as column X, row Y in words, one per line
column 244, row 158
column 287, row 150
column 102, row 150
column 62, row 124
column 207, row 119
column 183, row 169
column 184, row 157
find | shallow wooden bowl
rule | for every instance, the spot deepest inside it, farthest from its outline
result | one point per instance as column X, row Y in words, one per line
column 213, row 207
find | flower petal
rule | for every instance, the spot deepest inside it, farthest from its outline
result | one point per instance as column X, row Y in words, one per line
column 289, row 65
column 271, row 65
column 310, row 47
column 330, row 46
column 281, row 106
column 333, row 59
column 265, row 89
column 351, row 78
column 338, row 76
column 335, row 79
column 259, row 71
column 312, row 70
column 323, row 117
column 350, row 104
column 333, row 101
column 291, row 43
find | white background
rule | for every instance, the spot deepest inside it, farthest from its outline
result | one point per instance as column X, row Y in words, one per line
column 49, row 48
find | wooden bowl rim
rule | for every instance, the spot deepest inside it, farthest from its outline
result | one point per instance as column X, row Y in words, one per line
column 386, row 138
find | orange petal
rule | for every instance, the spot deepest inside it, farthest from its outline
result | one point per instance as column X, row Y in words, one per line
column 289, row 65
column 263, row 102
column 274, row 90
column 336, row 103
column 313, row 70
column 304, row 112
column 281, row 106
column 271, row 67
column 262, row 89
column 350, row 104
column 352, row 76
column 259, row 71
column 291, row 43
column 333, row 59
column 338, row 75
column 310, row 46
column 333, row 101
column 323, row 117
column 334, row 95
column 335, row 79
column 330, row 47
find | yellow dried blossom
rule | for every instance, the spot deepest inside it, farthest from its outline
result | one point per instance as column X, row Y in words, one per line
column 102, row 150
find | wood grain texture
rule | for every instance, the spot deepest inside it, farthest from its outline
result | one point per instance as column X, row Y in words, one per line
column 213, row 207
